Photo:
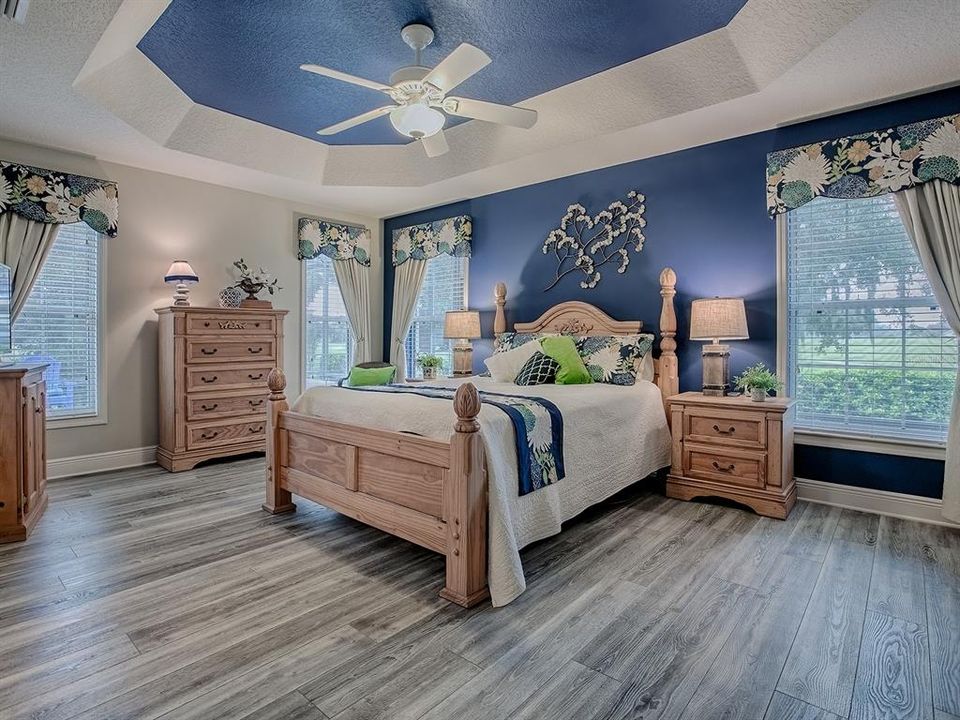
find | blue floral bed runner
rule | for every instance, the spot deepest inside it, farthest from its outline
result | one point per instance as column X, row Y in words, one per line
column 537, row 427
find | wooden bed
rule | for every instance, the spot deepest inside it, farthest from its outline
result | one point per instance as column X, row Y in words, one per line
column 427, row 491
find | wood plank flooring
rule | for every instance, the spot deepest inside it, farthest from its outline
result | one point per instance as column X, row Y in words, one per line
column 150, row 595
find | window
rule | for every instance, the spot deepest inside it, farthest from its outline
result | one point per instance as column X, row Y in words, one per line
column 444, row 288
column 868, row 351
column 60, row 323
column 328, row 338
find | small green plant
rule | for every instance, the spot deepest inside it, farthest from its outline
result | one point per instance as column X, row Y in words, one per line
column 425, row 361
column 758, row 377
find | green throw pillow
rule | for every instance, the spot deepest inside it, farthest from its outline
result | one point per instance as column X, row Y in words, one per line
column 563, row 349
column 371, row 376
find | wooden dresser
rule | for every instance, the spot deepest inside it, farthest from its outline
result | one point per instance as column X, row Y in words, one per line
column 735, row 448
column 214, row 364
column 23, row 450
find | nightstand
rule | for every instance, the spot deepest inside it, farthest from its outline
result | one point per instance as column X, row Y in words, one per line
column 734, row 448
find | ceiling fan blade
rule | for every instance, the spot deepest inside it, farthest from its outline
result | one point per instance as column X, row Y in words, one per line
column 345, row 77
column 464, row 61
column 354, row 121
column 491, row 112
column 435, row 145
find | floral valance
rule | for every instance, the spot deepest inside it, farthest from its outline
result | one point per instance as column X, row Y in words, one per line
column 58, row 198
column 337, row 241
column 858, row 166
column 450, row 236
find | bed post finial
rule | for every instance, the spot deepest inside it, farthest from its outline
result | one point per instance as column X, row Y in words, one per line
column 669, row 379
column 500, row 299
column 278, row 500
column 465, row 505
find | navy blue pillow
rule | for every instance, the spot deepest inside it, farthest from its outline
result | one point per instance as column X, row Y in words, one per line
column 540, row 369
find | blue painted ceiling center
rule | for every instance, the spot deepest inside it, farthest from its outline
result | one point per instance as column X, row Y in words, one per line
column 243, row 56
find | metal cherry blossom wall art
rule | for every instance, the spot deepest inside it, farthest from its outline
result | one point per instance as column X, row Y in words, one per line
column 585, row 243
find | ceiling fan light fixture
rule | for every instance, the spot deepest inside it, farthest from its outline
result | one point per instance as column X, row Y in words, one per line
column 417, row 120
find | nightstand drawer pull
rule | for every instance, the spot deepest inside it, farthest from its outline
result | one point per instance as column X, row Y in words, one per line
column 255, row 377
column 254, row 350
column 207, row 351
column 208, row 408
column 729, row 468
column 255, row 403
column 208, row 380
column 256, row 429
column 730, row 431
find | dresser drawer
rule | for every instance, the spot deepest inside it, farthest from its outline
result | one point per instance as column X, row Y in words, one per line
column 213, row 324
column 227, row 377
column 216, row 350
column 208, row 435
column 208, row 407
column 725, row 465
column 741, row 429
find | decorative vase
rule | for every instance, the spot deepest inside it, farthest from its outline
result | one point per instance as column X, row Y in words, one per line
column 252, row 289
column 230, row 297
column 429, row 373
column 758, row 394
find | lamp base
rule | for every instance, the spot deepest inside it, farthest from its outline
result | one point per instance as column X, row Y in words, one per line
column 462, row 358
column 716, row 370
column 181, row 298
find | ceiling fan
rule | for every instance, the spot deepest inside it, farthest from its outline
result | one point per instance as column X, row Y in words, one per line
column 420, row 94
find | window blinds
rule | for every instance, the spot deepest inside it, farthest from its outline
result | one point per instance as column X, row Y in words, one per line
column 59, row 322
column 328, row 338
column 868, row 349
column 444, row 288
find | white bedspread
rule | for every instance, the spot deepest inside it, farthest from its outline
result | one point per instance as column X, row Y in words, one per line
column 613, row 437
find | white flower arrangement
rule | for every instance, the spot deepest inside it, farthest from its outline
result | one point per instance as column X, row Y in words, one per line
column 583, row 243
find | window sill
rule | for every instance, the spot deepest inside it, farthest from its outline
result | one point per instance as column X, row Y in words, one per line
column 883, row 446
column 73, row 422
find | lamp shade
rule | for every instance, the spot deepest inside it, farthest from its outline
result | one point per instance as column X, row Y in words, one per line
column 462, row 324
column 180, row 272
column 718, row 319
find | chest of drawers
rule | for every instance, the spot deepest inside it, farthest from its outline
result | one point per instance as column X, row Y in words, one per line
column 734, row 448
column 214, row 364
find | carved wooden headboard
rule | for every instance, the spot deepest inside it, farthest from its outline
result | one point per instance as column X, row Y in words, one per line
column 580, row 318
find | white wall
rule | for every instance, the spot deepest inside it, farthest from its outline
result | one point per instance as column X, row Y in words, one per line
column 163, row 217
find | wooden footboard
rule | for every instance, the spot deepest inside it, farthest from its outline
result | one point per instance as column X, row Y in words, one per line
column 430, row 492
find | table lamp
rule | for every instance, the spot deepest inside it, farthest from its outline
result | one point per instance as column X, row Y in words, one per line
column 717, row 319
column 181, row 275
column 464, row 325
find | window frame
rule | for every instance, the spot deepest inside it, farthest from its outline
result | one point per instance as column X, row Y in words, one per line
column 465, row 262
column 303, row 325
column 101, row 416
column 929, row 449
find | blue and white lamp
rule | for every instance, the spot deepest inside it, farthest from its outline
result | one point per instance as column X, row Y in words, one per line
column 181, row 275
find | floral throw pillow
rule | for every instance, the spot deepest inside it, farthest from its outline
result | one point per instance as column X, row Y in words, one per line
column 540, row 369
column 510, row 340
column 614, row 359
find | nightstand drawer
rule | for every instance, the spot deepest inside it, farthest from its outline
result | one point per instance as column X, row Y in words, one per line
column 722, row 427
column 727, row 466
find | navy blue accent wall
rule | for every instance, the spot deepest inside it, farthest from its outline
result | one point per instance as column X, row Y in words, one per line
column 706, row 218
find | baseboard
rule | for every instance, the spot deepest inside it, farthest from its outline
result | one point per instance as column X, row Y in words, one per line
column 909, row 507
column 100, row 462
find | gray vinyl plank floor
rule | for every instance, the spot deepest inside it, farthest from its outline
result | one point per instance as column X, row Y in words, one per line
column 146, row 595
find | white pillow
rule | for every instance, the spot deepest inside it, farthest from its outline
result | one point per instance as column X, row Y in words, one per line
column 504, row 366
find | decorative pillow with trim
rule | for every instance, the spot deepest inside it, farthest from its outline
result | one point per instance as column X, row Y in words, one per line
column 614, row 359
column 541, row 369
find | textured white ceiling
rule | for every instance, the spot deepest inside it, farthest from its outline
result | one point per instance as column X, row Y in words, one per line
column 76, row 81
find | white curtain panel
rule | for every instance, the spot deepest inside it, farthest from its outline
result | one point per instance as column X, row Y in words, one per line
column 407, row 282
column 24, row 246
column 931, row 214
column 353, row 279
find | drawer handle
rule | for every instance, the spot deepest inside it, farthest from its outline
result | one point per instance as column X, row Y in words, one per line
column 256, row 324
column 730, row 431
column 254, row 350
column 206, row 351
column 255, row 377
column 208, row 380
column 256, row 429
column 208, row 408
column 211, row 436
column 255, row 403
column 729, row 468
column 207, row 324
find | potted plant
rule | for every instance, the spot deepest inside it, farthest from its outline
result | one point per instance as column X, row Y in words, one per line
column 758, row 381
column 430, row 365
column 253, row 283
